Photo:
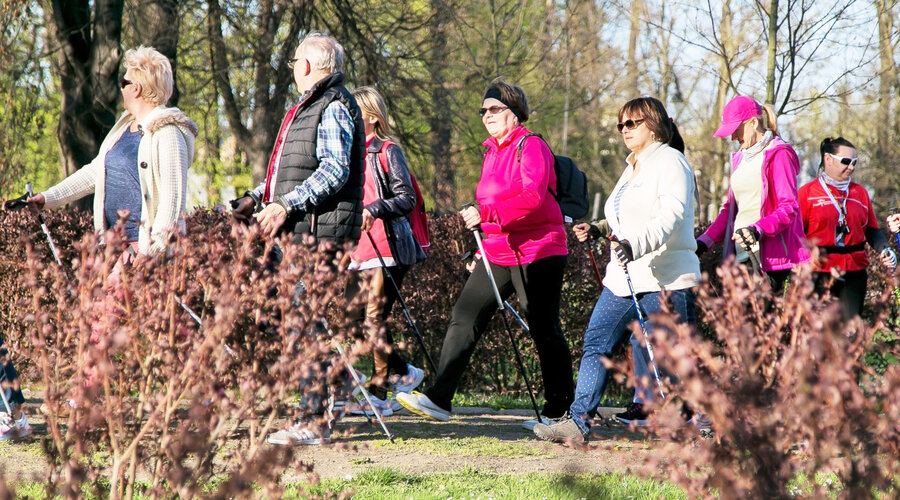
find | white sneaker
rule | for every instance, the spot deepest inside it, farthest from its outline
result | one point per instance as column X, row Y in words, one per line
column 420, row 404
column 362, row 408
column 299, row 434
column 362, row 380
column 22, row 427
column 7, row 427
column 411, row 380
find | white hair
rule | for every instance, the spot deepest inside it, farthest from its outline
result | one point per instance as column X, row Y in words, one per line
column 323, row 52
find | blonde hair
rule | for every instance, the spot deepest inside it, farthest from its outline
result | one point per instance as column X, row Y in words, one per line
column 766, row 120
column 152, row 71
column 322, row 52
column 372, row 104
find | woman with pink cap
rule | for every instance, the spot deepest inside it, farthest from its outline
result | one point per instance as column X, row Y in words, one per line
column 762, row 212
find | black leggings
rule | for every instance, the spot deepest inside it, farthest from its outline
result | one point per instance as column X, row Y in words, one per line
column 538, row 286
column 849, row 289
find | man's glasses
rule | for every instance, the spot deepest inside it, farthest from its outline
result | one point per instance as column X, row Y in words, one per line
column 629, row 124
column 124, row 82
column 492, row 110
column 844, row 160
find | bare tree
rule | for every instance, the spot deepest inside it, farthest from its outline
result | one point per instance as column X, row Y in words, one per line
column 253, row 46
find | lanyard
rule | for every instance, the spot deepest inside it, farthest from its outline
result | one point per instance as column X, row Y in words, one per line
column 842, row 209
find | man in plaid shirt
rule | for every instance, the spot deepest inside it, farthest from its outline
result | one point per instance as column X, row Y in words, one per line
column 314, row 179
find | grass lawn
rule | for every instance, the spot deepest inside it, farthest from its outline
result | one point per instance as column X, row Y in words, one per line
column 377, row 483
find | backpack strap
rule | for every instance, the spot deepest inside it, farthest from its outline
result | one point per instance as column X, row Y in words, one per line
column 382, row 155
column 521, row 145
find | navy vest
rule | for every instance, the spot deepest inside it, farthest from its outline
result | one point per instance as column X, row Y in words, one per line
column 339, row 217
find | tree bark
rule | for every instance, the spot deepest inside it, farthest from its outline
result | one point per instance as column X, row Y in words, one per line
column 157, row 26
column 87, row 63
column 440, row 118
column 771, row 51
column 631, row 65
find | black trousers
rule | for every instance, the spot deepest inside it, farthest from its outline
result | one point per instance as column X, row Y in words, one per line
column 538, row 286
column 850, row 290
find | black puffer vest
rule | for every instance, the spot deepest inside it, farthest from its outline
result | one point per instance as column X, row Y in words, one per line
column 339, row 217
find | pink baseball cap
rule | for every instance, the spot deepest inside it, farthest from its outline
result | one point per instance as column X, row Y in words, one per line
column 736, row 111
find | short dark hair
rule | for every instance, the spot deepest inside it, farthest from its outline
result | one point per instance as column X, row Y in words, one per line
column 652, row 111
column 511, row 95
column 831, row 145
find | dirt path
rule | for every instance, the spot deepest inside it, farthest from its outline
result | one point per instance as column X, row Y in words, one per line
column 475, row 437
column 487, row 439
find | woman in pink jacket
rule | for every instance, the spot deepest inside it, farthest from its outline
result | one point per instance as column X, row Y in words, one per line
column 525, row 242
column 762, row 211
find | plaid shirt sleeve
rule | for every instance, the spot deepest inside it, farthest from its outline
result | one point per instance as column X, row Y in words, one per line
column 334, row 142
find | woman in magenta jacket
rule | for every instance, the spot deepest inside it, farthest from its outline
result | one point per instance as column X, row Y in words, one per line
column 525, row 242
column 762, row 207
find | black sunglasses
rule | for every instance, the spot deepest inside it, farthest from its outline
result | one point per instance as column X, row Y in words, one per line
column 124, row 82
column 629, row 124
column 492, row 110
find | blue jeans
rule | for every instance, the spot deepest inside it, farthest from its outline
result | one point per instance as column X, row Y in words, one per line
column 607, row 329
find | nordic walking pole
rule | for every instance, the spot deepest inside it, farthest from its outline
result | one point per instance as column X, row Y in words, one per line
column 362, row 388
column 503, row 306
column 3, row 395
column 28, row 190
column 754, row 261
column 640, row 315
column 403, row 305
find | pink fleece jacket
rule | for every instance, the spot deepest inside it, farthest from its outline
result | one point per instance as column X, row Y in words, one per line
column 520, row 218
column 782, row 241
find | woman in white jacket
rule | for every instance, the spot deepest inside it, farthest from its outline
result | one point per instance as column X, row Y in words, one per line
column 651, row 216
column 141, row 169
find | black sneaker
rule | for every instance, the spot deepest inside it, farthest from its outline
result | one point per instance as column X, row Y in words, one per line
column 635, row 414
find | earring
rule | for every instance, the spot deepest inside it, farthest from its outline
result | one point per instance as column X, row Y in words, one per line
column 653, row 136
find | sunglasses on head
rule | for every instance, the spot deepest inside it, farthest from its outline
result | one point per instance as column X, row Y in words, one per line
column 844, row 160
column 492, row 110
column 629, row 124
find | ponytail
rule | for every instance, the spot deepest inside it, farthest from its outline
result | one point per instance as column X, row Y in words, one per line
column 675, row 140
column 767, row 118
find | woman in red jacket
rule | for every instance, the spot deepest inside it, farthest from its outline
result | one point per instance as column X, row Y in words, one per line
column 838, row 218
column 388, row 197
column 525, row 243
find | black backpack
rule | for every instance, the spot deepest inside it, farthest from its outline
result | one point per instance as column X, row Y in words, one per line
column 571, row 183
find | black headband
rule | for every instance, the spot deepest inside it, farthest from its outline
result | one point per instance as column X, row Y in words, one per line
column 494, row 93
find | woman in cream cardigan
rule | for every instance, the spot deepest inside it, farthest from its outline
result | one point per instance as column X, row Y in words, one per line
column 650, row 214
column 143, row 161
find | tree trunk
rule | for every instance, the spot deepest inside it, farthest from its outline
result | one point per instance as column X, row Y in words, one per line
column 157, row 26
column 771, row 49
column 631, row 65
column 440, row 117
column 885, row 152
column 88, row 66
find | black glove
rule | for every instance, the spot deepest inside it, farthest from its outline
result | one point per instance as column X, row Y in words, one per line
column 701, row 248
column 16, row 204
column 749, row 234
column 242, row 208
column 623, row 251
column 599, row 229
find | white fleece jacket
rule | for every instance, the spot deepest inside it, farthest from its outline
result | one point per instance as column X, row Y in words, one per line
column 656, row 215
column 165, row 153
